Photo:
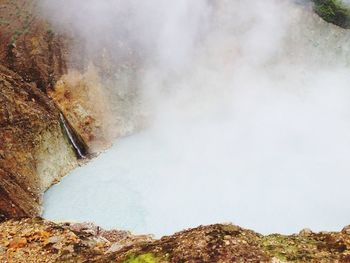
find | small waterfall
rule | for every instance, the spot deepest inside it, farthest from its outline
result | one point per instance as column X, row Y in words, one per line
column 77, row 143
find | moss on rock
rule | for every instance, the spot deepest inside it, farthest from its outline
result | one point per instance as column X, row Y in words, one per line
column 144, row 258
column 37, row 240
column 333, row 11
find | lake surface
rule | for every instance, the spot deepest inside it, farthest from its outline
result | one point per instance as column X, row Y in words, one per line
column 158, row 185
column 249, row 122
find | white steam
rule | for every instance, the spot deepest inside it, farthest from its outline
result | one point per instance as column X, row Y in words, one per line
column 249, row 117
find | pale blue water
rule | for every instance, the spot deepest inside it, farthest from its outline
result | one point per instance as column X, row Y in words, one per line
column 250, row 127
column 151, row 184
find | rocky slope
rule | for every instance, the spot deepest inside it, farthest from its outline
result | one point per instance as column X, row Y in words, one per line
column 28, row 46
column 37, row 240
column 34, row 151
column 82, row 100
column 35, row 148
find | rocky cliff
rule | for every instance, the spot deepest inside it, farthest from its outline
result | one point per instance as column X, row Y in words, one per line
column 28, row 46
column 40, row 137
column 34, row 151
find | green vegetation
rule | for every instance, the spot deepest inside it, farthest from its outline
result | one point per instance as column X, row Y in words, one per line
column 17, row 34
column 144, row 258
column 292, row 248
column 4, row 22
column 333, row 11
column 23, row 19
column 326, row 247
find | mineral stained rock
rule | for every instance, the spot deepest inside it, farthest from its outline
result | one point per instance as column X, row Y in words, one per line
column 84, row 102
column 36, row 240
column 34, row 151
column 28, row 45
column 35, row 148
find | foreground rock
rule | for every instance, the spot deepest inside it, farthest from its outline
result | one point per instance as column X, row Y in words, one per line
column 36, row 240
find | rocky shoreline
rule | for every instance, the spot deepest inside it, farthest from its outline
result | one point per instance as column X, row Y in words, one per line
column 34, row 151
column 47, row 121
column 38, row 240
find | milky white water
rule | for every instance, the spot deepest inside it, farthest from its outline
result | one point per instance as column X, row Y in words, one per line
column 253, row 128
column 281, row 167
column 155, row 184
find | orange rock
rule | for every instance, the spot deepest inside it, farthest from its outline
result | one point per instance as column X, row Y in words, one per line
column 44, row 234
column 18, row 243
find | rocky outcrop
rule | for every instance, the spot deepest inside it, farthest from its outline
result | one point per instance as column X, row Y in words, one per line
column 28, row 45
column 38, row 144
column 37, row 240
column 333, row 11
column 83, row 101
column 34, row 151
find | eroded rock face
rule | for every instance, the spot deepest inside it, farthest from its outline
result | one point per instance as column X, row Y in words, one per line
column 34, row 151
column 34, row 148
column 28, row 46
column 32, row 48
column 84, row 102
column 36, row 240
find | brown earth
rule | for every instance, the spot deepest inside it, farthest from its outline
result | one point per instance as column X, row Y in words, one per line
column 28, row 46
column 37, row 240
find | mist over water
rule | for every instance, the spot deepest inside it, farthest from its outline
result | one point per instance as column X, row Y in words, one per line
column 248, row 113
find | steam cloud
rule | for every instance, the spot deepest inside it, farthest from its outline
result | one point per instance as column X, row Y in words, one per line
column 248, row 109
